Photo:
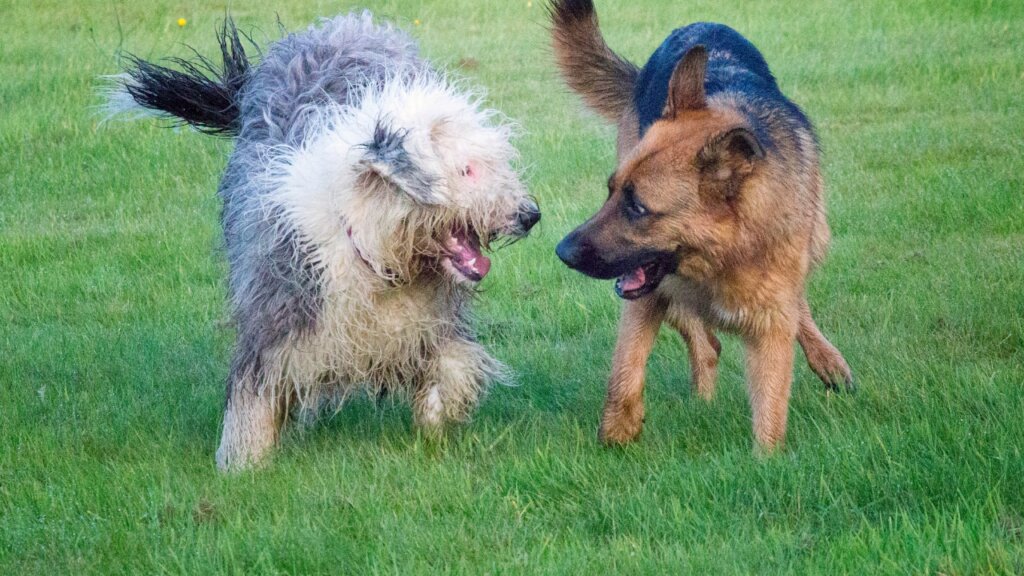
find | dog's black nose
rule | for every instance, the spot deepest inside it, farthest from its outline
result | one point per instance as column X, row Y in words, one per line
column 580, row 254
column 529, row 216
column 571, row 252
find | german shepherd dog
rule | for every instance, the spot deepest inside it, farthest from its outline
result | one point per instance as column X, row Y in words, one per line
column 714, row 219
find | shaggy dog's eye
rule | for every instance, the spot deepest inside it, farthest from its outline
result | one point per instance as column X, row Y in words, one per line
column 634, row 209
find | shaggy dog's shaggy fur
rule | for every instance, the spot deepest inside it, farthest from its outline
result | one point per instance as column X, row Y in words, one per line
column 362, row 189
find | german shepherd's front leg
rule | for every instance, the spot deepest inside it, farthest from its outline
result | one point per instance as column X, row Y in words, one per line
column 769, row 379
column 623, row 416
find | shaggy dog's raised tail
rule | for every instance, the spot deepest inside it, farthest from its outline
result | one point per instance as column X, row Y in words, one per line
column 604, row 79
column 201, row 94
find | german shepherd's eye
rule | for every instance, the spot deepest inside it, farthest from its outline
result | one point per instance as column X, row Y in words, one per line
column 633, row 207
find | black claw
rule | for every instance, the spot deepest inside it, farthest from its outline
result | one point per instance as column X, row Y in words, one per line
column 832, row 383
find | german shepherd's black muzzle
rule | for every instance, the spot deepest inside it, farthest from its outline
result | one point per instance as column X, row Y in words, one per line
column 581, row 255
column 638, row 271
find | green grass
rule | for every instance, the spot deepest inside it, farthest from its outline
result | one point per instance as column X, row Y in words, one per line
column 114, row 348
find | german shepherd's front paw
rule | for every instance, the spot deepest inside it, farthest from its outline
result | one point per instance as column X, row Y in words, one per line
column 620, row 427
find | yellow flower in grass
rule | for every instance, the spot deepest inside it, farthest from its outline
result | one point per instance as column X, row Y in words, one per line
column 182, row 22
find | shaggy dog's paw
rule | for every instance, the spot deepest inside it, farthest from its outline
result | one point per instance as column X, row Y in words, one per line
column 232, row 461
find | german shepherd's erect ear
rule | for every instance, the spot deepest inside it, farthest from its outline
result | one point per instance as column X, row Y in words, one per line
column 686, row 87
column 726, row 160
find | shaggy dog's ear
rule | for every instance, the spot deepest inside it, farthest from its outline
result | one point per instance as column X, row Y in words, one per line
column 388, row 158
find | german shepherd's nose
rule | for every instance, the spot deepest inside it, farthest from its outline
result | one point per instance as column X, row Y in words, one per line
column 581, row 255
column 573, row 252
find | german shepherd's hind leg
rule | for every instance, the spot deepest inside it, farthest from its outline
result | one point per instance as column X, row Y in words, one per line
column 769, row 380
column 623, row 416
column 252, row 421
column 824, row 359
column 453, row 383
column 703, row 348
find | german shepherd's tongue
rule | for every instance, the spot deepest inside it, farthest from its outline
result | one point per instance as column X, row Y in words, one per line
column 464, row 252
column 631, row 281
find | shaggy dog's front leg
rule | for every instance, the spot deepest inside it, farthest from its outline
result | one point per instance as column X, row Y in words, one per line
column 454, row 380
column 252, row 422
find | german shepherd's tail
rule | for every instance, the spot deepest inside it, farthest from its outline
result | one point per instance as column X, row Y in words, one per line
column 201, row 94
column 603, row 78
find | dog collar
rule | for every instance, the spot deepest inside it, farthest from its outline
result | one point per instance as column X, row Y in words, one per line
column 388, row 275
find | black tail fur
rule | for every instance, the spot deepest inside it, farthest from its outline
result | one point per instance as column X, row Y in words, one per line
column 201, row 93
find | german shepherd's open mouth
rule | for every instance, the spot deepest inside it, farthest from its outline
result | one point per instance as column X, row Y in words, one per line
column 642, row 280
column 636, row 275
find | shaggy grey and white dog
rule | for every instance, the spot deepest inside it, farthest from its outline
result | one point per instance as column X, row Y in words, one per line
column 362, row 190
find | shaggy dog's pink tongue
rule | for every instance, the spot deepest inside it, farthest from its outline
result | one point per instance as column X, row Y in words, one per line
column 634, row 280
column 465, row 255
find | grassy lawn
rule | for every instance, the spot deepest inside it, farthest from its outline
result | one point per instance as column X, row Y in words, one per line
column 113, row 347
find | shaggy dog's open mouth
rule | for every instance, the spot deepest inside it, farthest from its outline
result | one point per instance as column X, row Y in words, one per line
column 642, row 280
column 464, row 258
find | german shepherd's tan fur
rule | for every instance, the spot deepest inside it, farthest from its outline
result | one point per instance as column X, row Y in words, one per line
column 708, row 227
